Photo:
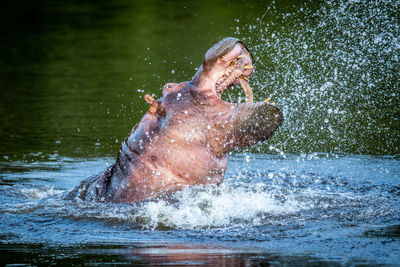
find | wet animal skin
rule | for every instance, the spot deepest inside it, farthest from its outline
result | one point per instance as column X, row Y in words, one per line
column 184, row 137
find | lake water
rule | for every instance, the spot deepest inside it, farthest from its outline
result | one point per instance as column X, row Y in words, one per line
column 324, row 190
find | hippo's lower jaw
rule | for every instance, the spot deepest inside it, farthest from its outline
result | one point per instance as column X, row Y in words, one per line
column 184, row 137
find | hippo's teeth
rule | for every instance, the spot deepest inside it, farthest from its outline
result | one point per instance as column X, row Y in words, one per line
column 222, row 58
column 244, row 78
column 241, row 56
column 267, row 100
column 247, row 89
column 246, row 67
column 273, row 103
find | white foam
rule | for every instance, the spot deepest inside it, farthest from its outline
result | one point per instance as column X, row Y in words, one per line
column 211, row 206
column 41, row 192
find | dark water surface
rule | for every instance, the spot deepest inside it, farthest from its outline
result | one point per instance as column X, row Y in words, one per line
column 324, row 190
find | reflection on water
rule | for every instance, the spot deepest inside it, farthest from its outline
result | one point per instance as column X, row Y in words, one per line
column 153, row 254
column 72, row 78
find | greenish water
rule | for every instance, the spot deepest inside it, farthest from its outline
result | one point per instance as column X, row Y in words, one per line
column 74, row 73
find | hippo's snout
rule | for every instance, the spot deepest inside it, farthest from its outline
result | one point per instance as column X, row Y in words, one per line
column 255, row 122
column 266, row 119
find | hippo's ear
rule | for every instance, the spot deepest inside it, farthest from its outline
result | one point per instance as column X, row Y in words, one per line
column 253, row 122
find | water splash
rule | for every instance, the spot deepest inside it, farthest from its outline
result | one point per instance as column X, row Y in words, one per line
column 334, row 70
column 41, row 192
column 214, row 207
column 259, row 190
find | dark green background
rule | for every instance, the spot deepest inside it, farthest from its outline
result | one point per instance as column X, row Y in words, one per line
column 73, row 73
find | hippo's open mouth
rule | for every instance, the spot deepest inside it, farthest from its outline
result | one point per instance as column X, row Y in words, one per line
column 231, row 77
column 234, row 68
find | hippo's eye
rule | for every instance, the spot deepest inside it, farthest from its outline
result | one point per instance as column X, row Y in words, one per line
column 233, row 63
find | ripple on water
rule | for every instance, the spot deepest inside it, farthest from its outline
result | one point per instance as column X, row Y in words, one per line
column 267, row 201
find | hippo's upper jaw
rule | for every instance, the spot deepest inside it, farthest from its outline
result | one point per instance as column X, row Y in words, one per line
column 227, row 63
column 184, row 137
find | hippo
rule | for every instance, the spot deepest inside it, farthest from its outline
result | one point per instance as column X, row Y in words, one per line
column 185, row 136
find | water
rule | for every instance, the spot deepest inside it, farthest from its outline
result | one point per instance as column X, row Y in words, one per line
column 343, row 209
column 324, row 190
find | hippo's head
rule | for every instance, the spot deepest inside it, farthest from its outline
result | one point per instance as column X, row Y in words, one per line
column 234, row 125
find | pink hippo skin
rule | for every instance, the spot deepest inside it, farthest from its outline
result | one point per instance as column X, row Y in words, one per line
column 184, row 137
